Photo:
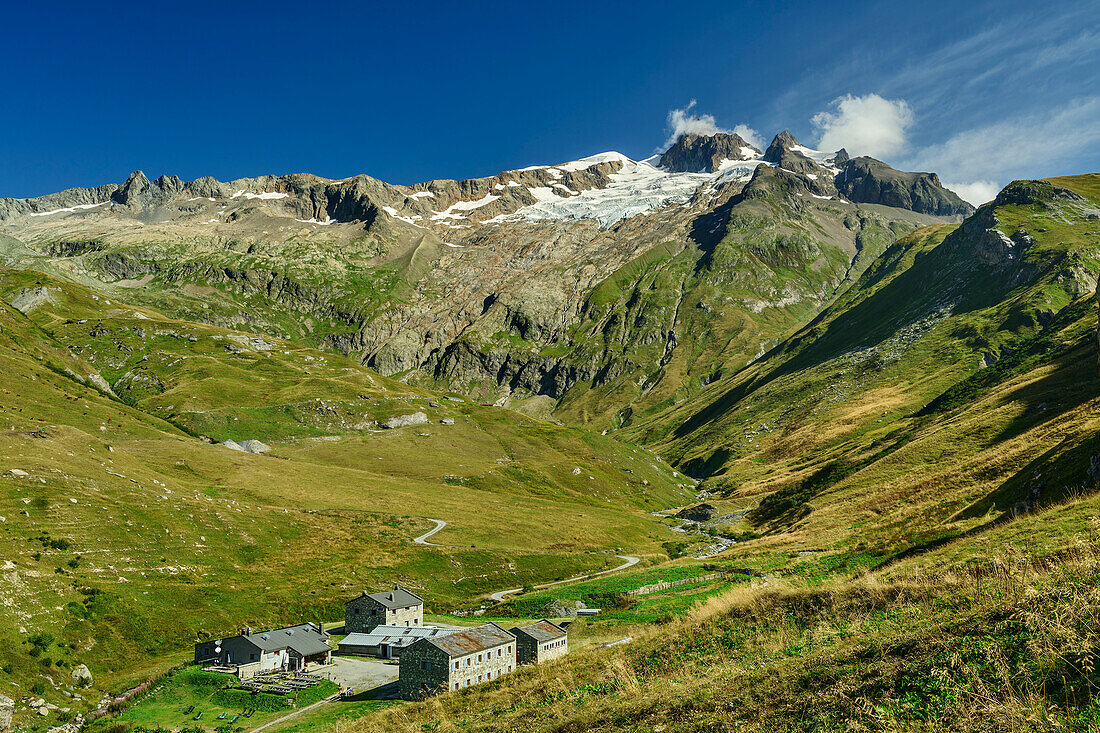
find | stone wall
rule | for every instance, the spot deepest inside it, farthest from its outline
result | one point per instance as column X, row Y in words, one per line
column 424, row 670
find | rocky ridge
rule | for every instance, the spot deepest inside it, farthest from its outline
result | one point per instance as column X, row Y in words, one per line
column 528, row 283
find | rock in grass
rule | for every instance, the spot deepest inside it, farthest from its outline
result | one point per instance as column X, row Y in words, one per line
column 7, row 709
column 82, row 675
column 246, row 446
column 402, row 421
column 17, row 472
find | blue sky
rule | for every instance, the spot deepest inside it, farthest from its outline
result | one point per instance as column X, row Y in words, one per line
column 979, row 92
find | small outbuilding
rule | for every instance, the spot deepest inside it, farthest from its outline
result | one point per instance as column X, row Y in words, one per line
column 397, row 607
column 540, row 641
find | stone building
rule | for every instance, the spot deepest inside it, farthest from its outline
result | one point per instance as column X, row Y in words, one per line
column 456, row 660
column 397, row 607
column 251, row 653
column 540, row 641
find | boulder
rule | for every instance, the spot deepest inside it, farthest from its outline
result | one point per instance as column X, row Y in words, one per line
column 447, row 421
column 17, row 472
column 402, row 421
column 254, row 446
column 7, row 709
column 697, row 513
column 561, row 608
column 232, row 445
column 82, row 675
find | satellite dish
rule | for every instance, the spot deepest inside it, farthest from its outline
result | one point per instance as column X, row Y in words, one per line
column 217, row 650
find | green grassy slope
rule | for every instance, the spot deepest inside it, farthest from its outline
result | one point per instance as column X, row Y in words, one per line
column 877, row 427
column 920, row 462
column 129, row 536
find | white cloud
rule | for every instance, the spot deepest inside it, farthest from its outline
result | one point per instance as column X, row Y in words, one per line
column 976, row 193
column 684, row 122
column 867, row 125
column 749, row 135
column 1029, row 145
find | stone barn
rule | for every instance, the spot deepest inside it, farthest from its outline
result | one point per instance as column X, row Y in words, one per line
column 540, row 641
column 397, row 607
column 457, row 660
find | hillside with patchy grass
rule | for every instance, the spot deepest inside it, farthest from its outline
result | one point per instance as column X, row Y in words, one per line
column 128, row 532
column 913, row 479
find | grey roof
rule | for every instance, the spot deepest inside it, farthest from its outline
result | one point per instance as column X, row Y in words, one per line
column 461, row 643
column 542, row 630
column 305, row 639
column 394, row 635
column 396, row 598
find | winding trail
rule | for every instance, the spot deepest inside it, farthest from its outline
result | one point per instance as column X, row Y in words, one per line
column 423, row 539
column 500, row 595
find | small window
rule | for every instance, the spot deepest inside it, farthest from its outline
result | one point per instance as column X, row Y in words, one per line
column 479, row 659
column 456, row 686
column 456, row 665
column 479, row 678
column 423, row 664
column 374, row 612
column 355, row 611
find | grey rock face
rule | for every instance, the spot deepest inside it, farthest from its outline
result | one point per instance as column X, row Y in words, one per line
column 232, row 445
column 7, row 709
column 782, row 152
column 82, row 675
column 254, row 446
column 697, row 513
column 402, row 421
column 869, row 181
column 697, row 153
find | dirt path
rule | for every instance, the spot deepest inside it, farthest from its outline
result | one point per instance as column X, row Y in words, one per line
column 291, row 715
column 500, row 595
column 423, row 539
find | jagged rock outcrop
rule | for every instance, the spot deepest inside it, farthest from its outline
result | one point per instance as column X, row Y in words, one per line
column 784, row 151
column 698, row 153
column 871, row 181
column 7, row 710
